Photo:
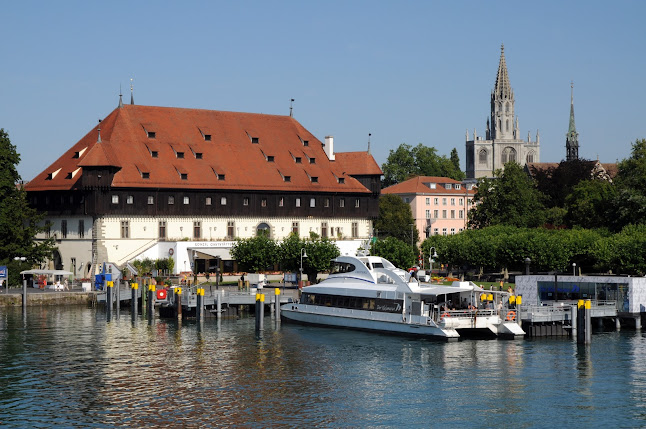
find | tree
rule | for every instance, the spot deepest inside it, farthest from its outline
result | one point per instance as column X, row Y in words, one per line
column 395, row 219
column 255, row 254
column 19, row 223
column 320, row 253
column 407, row 161
column 629, row 205
column 510, row 198
column 455, row 159
column 398, row 252
column 589, row 203
column 290, row 253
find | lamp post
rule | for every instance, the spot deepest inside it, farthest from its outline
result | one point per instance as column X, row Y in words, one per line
column 527, row 262
column 574, row 268
column 431, row 257
column 303, row 255
column 24, row 285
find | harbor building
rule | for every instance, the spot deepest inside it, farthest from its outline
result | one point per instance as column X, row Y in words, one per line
column 501, row 142
column 439, row 204
column 164, row 181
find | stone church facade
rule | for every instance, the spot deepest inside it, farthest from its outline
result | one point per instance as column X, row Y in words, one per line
column 501, row 142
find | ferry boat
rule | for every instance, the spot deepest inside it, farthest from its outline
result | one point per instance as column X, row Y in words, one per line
column 370, row 293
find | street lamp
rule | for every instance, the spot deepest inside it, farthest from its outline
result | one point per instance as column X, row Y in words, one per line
column 303, row 255
column 19, row 259
column 574, row 268
column 430, row 258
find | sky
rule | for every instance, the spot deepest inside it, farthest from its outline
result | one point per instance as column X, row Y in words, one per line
column 403, row 71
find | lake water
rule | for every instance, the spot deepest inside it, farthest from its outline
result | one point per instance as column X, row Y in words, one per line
column 69, row 367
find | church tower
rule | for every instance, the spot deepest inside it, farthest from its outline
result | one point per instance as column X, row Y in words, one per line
column 502, row 142
column 572, row 137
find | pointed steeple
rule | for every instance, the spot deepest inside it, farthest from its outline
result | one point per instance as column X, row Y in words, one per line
column 132, row 93
column 120, row 98
column 572, row 137
column 503, row 87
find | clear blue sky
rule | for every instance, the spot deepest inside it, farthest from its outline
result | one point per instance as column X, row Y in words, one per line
column 405, row 71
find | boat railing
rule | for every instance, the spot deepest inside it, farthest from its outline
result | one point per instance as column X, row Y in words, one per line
column 469, row 314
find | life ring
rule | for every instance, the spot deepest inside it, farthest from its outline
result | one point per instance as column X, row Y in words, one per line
column 511, row 315
column 161, row 294
column 171, row 251
column 445, row 314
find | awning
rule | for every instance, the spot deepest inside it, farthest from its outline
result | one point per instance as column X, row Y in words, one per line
column 48, row 272
column 209, row 253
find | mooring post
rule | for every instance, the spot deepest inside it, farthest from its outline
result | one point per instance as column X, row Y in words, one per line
column 144, row 295
column 24, row 295
column 178, row 302
column 277, row 303
column 133, row 299
column 118, row 291
column 580, row 337
column 150, row 302
column 573, row 317
column 108, row 298
column 617, row 323
column 261, row 313
column 588, row 321
column 200, row 305
column 218, row 304
column 638, row 322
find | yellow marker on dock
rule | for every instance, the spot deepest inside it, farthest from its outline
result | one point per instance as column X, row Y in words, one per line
column 134, row 286
column 110, row 283
column 276, row 291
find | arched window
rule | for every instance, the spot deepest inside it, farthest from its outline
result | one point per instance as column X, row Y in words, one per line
column 482, row 156
column 530, row 157
column 508, row 155
column 262, row 229
column 507, row 107
column 507, row 125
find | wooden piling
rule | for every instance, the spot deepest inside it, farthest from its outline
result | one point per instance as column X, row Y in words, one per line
column 178, row 302
column 277, row 303
column 133, row 300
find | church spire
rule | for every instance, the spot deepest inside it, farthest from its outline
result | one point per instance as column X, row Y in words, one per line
column 502, row 103
column 132, row 93
column 503, row 87
column 572, row 137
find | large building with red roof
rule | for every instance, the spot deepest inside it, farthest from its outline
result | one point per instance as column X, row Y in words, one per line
column 158, row 181
column 439, row 204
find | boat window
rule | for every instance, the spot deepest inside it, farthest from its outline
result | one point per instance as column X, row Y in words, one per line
column 342, row 267
column 377, row 265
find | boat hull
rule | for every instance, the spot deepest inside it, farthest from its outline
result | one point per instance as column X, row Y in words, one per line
column 357, row 320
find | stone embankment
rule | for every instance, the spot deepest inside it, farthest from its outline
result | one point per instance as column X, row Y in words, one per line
column 43, row 298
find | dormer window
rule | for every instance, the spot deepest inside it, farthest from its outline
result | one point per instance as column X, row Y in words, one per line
column 220, row 176
column 184, row 176
column 180, row 155
column 314, row 179
column 207, row 137
column 198, row 155
column 270, row 158
column 152, row 135
column 312, row 160
column 341, row 180
column 255, row 140
column 79, row 153
column 154, row 154
column 448, row 186
column 145, row 175
column 298, row 160
column 287, row 178
column 457, row 186
column 206, row 133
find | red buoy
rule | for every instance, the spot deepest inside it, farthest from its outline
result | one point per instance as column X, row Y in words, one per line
column 161, row 294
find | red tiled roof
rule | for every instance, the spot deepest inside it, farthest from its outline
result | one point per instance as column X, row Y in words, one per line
column 418, row 185
column 126, row 143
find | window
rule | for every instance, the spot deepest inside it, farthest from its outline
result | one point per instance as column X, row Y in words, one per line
column 125, row 229
column 287, row 178
column 443, row 231
column 81, row 228
column 130, row 199
column 198, row 155
column 406, row 200
column 355, row 229
column 245, row 201
column 151, row 199
column 452, row 231
column 443, row 201
column 270, row 158
column 458, row 186
column 306, row 143
column 162, row 229
column 443, row 214
column 208, row 201
column 255, row 140
column 448, row 186
column 145, row 175
column 220, row 176
column 436, row 201
column 207, row 137
column 152, row 135
column 327, row 202
column 187, row 200
column 356, row 203
column 314, row 179
column 341, row 180
column 154, row 154
column 323, row 229
column 312, row 160
column 436, row 214
column 263, row 230
column 461, row 201
column 312, row 202
column 180, row 155
column 281, row 202
column 295, row 228
column 452, row 214
column 428, row 214
column 64, row 229
column 482, row 156
column 231, row 229
column 298, row 160
column 223, row 201
column 183, row 176
column 530, row 157
column 436, row 231
column 428, row 201
column 298, row 202
column 197, row 230
column 115, row 199
column 263, row 202
column 452, row 201
column 461, row 214
column 171, row 200
column 342, row 202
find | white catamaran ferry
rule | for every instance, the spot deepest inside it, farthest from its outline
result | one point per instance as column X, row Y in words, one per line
column 370, row 293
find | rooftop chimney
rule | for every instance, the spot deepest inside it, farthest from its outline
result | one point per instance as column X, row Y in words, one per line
column 328, row 147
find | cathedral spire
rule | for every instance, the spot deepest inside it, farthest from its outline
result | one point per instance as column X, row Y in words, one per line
column 503, row 87
column 502, row 104
column 572, row 137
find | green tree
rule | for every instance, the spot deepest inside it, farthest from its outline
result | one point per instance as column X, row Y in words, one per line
column 320, row 253
column 395, row 219
column 407, row 161
column 510, row 198
column 629, row 204
column 255, row 254
column 19, row 223
column 589, row 203
column 455, row 159
column 396, row 251
column 290, row 253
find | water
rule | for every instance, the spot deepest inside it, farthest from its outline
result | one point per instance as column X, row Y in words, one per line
column 68, row 367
